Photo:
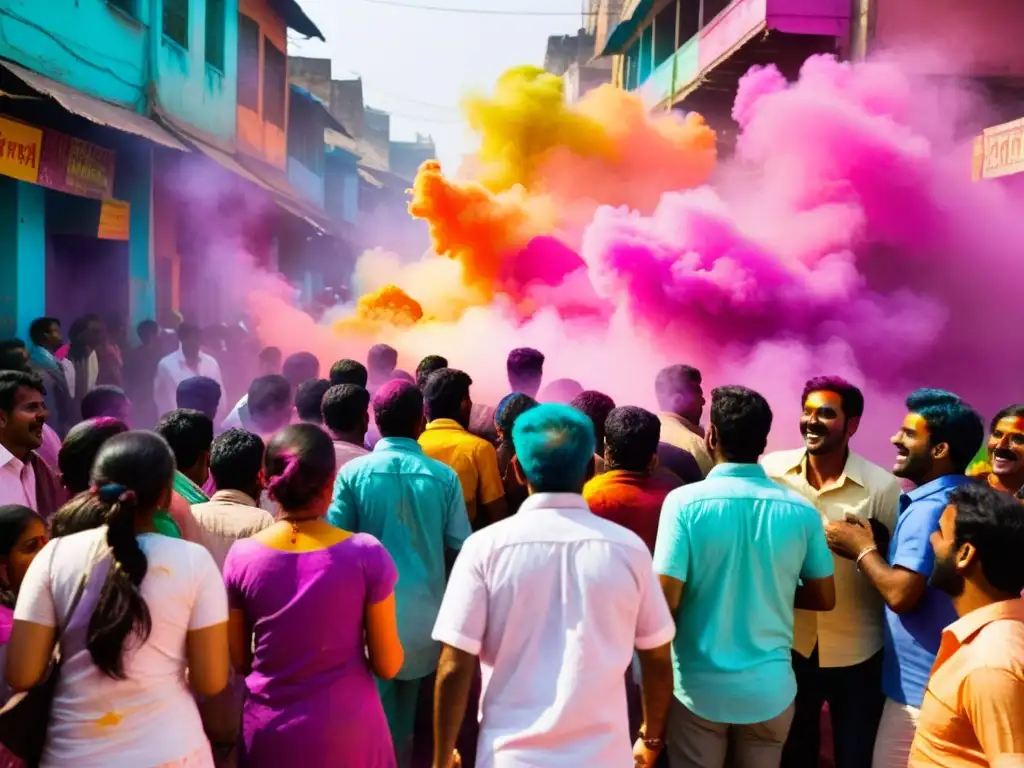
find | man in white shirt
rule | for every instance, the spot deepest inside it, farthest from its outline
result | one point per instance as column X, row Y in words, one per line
column 553, row 601
column 187, row 362
column 837, row 655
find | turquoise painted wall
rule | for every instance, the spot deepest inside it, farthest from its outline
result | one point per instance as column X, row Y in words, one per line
column 341, row 185
column 134, row 184
column 22, row 256
column 308, row 183
column 189, row 88
column 87, row 44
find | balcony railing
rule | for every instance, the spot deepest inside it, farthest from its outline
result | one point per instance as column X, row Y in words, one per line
column 677, row 70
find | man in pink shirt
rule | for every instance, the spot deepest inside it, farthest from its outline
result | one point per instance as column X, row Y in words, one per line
column 25, row 478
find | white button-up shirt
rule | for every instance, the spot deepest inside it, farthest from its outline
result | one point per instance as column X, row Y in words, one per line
column 553, row 601
column 173, row 370
column 17, row 481
column 852, row 632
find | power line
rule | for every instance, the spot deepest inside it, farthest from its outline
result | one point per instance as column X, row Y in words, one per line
column 478, row 11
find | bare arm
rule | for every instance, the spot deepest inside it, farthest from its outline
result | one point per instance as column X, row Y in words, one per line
column 451, row 694
column 208, row 659
column 673, row 589
column 28, row 654
column 385, row 649
column 493, row 512
column 816, row 594
column 656, row 672
column 900, row 588
column 240, row 641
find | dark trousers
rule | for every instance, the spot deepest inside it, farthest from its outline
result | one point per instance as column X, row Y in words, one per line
column 854, row 697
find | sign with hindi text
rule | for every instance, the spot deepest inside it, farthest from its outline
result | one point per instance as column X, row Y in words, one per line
column 20, row 150
column 77, row 167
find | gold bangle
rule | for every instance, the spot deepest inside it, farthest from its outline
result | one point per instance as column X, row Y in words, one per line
column 865, row 552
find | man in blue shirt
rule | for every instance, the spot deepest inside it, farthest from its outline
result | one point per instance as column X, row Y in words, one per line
column 414, row 506
column 937, row 441
column 732, row 552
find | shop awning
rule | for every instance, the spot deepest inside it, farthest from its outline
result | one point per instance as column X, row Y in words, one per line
column 626, row 28
column 96, row 110
column 296, row 18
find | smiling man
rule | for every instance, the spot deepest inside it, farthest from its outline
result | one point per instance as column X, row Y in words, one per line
column 25, row 478
column 1006, row 452
column 837, row 655
column 939, row 436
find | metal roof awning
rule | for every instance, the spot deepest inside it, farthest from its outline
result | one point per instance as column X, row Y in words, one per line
column 625, row 29
column 296, row 18
column 96, row 110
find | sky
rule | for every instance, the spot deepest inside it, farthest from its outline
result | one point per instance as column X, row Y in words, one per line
column 418, row 64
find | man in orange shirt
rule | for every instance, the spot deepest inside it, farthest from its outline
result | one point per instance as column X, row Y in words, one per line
column 973, row 707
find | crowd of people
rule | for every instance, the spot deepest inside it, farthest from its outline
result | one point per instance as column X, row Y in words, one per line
column 370, row 569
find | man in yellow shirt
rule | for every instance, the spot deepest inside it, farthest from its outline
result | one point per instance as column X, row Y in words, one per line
column 680, row 394
column 448, row 440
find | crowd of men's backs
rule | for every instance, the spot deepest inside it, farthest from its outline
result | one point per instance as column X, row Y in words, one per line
column 755, row 591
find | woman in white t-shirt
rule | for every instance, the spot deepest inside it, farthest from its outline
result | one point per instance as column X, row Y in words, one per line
column 151, row 607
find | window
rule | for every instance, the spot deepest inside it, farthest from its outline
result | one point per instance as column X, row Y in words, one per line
column 248, row 63
column 128, row 6
column 306, row 123
column 275, row 84
column 215, row 33
column 176, row 21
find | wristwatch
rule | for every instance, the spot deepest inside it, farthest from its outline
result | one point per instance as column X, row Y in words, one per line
column 652, row 744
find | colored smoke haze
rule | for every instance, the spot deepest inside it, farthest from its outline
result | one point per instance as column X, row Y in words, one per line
column 846, row 238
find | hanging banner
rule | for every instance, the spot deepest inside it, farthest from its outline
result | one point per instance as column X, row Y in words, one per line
column 20, row 150
column 1003, row 150
column 114, row 220
column 77, row 167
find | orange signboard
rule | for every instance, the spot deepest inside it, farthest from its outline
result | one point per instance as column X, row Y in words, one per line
column 1002, row 148
column 114, row 220
column 20, row 150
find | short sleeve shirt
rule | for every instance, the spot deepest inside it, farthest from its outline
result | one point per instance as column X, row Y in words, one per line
column 474, row 460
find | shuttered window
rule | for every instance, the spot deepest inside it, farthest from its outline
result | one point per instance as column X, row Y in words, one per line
column 275, row 84
column 176, row 21
column 215, row 33
column 248, row 63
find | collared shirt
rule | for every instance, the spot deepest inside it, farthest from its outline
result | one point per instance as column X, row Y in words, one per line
column 912, row 638
column 226, row 518
column 173, row 370
column 853, row 631
column 17, row 480
column 474, row 460
column 553, row 601
column 345, row 452
column 631, row 499
column 680, row 432
column 740, row 543
column 413, row 505
column 973, row 711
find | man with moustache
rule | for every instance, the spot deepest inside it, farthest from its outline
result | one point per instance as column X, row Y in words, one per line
column 937, row 441
column 974, row 703
column 1006, row 452
column 837, row 655
column 25, row 479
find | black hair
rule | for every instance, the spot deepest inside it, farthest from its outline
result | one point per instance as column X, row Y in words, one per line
column 851, row 398
column 133, row 474
column 236, row 458
column 299, row 464
column 102, row 401
column 427, row 366
column 561, row 391
column 12, row 355
column 271, row 354
column 672, row 384
column 349, row 372
column 147, row 326
column 597, row 405
column 382, row 359
column 308, row 397
column 12, row 381
column 344, row 407
column 525, row 366
column 40, row 327
column 14, row 519
column 951, row 421
column 189, row 331
column 84, row 512
column 269, row 394
column 993, row 523
column 398, row 409
column 508, row 410
column 1009, row 412
column 631, row 437
column 444, row 392
column 199, row 393
column 742, row 419
column 300, row 367
column 79, row 449
column 189, row 433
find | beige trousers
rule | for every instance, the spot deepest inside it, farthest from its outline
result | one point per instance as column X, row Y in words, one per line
column 895, row 735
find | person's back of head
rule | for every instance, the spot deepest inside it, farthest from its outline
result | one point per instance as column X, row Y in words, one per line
column 631, row 439
column 508, row 410
column 596, row 405
column 300, row 367
column 561, row 391
column 525, row 369
column 427, row 366
column 299, row 468
column 554, row 448
column 270, row 403
column 132, row 477
column 381, row 361
column 401, row 375
column 79, row 449
column 270, row 360
column 446, row 396
column 740, row 422
column 346, row 410
column 13, row 355
column 952, row 422
column 199, row 393
column 398, row 410
column 349, row 372
column 189, row 434
column 107, row 401
column 147, row 331
column 308, row 398
column 236, row 460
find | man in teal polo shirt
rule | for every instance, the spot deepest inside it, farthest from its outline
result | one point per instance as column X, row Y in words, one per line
column 413, row 505
column 732, row 553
